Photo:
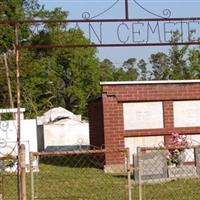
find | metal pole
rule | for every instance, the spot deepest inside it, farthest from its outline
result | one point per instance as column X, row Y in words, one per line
column 129, row 175
column 18, row 86
column 22, row 172
column 139, row 172
column 3, row 193
column 18, row 108
column 32, row 176
column 126, row 9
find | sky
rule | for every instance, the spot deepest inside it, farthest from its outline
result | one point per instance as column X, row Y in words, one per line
column 115, row 9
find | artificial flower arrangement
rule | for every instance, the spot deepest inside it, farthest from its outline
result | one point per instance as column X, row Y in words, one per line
column 7, row 163
column 176, row 155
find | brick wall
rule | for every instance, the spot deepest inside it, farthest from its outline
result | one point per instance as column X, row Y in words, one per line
column 96, row 122
column 113, row 97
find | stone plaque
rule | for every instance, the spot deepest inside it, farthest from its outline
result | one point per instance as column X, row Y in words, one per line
column 186, row 113
column 134, row 142
column 143, row 115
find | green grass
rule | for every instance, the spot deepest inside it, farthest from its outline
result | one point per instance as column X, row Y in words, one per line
column 54, row 182
column 8, row 186
column 63, row 182
column 182, row 189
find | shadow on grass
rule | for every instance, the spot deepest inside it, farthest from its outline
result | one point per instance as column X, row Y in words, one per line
column 75, row 161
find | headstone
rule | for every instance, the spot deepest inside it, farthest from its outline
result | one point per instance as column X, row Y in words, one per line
column 153, row 166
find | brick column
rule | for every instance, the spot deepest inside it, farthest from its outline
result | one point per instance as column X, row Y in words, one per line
column 168, row 118
column 113, row 128
column 95, row 113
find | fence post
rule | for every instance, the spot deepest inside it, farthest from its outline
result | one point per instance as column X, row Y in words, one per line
column 22, row 166
column 32, row 176
column 2, row 187
column 139, row 172
column 129, row 175
column 197, row 159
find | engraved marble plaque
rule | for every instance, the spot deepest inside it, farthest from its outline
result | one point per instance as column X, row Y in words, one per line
column 186, row 113
column 143, row 115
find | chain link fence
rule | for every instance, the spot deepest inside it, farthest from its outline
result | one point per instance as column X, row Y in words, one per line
column 167, row 173
column 8, row 178
column 79, row 175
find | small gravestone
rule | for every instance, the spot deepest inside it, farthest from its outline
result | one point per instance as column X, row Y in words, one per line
column 153, row 166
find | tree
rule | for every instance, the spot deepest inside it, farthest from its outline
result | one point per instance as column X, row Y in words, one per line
column 15, row 10
column 160, row 66
column 107, row 70
column 69, row 76
column 130, row 68
column 194, row 63
column 4, row 90
column 12, row 10
column 179, row 69
column 176, row 64
column 127, row 72
column 143, row 72
column 56, row 77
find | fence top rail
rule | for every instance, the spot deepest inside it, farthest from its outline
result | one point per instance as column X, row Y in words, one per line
column 72, row 152
column 169, row 147
column 8, row 158
column 28, row 21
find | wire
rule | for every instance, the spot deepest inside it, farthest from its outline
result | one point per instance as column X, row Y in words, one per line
column 86, row 15
column 166, row 12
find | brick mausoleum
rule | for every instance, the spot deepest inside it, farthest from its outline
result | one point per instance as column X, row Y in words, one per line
column 143, row 113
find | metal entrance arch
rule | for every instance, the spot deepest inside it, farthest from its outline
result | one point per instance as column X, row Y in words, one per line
column 152, row 24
